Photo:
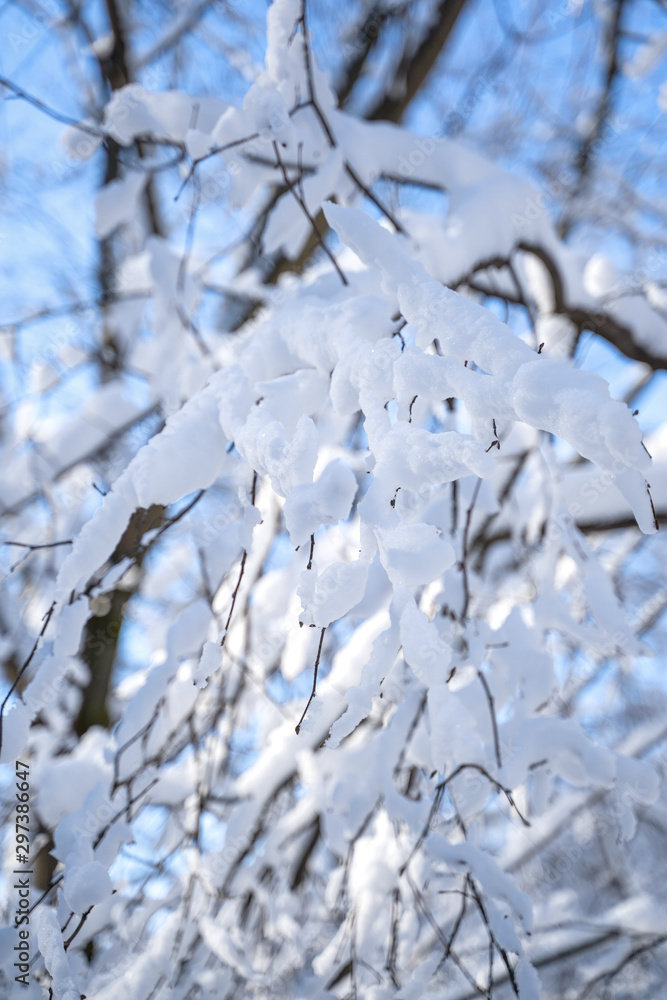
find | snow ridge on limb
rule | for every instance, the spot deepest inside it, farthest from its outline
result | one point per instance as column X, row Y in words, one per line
column 511, row 382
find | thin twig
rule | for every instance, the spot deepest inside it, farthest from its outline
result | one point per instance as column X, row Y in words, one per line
column 314, row 691
column 33, row 548
column 371, row 197
column 492, row 710
column 390, row 964
column 234, row 596
column 213, row 152
column 177, row 517
column 56, row 115
column 39, row 899
column 44, row 545
column 52, row 312
column 492, row 937
column 439, row 792
column 464, row 555
column 457, row 925
column 126, row 809
column 421, row 903
column 46, row 620
column 292, row 186
column 76, row 930
column 309, row 77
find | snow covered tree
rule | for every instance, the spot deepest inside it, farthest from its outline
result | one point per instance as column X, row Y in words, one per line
column 332, row 572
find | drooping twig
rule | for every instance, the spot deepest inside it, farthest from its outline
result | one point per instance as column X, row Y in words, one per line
column 492, row 937
column 84, row 917
column 492, row 710
column 457, row 926
column 46, row 620
column 455, row 506
column 177, row 517
column 349, row 169
column 300, row 869
column 234, row 596
column 34, row 548
column 293, row 187
column 297, row 728
column 241, row 571
column 421, row 903
column 56, row 115
column 390, row 964
column 495, row 443
column 656, row 523
column 435, row 805
column 439, row 793
column 463, row 565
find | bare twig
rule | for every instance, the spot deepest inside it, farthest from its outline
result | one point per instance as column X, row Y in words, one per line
column 437, row 799
column 213, row 152
column 28, row 661
column 292, row 186
column 492, row 710
column 371, row 197
column 463, row 565
column 56, row 115
column 33, row 548
column 309, row 77
column 234, row 596
column 297, row 728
